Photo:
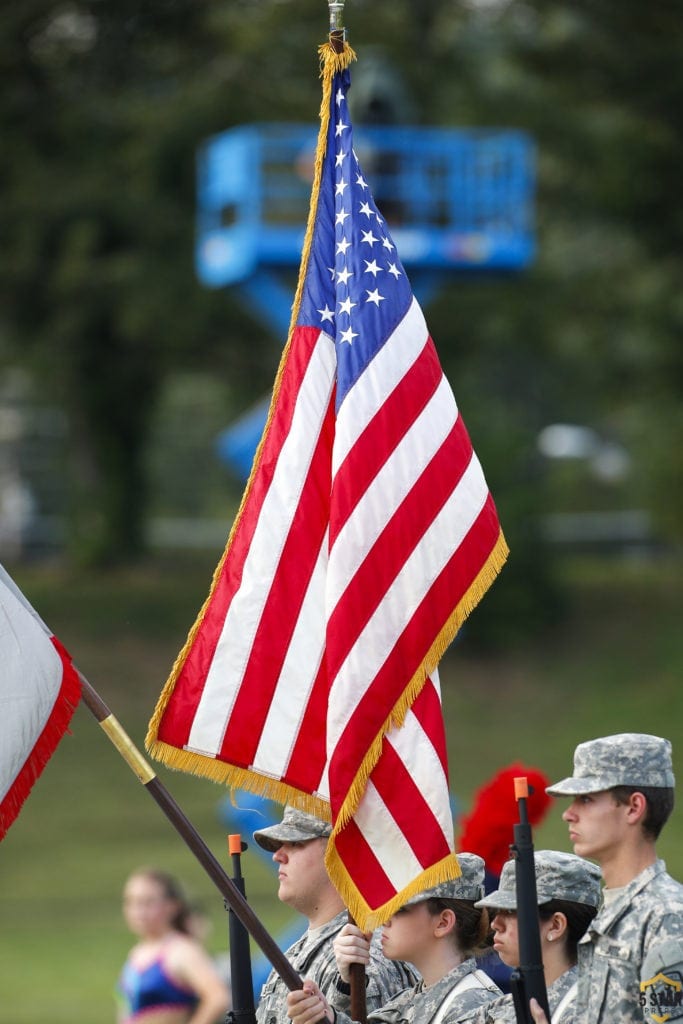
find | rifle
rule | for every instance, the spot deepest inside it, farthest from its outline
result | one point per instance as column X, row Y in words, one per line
column 527, row 980
column 243, row 1009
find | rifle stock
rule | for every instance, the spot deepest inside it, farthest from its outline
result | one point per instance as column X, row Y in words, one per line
column 527, row 980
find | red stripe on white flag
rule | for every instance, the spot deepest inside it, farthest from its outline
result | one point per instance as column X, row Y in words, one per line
column 39, row 691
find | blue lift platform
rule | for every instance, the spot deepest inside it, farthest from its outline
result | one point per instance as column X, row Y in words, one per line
column 456, row 201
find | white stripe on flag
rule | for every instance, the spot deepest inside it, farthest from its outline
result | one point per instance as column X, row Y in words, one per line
column 380, row 378
column 298, row 674
column 279, row 507
column 375, row 642
column 388, row 489
column 426, row 770
column 386, row 840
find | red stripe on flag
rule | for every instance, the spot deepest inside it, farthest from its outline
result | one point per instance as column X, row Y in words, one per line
column 178, row 717
column 427, row 709
column 383, row 433
column 428, row 619
column 362, row 865
column 64, row 705
column 309, row 754
column 281, row 611
column 408, row 808
column 398, row 539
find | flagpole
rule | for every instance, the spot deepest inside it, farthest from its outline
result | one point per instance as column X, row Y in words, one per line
column 359, row 1010
column 147, row 776
column 337, row 30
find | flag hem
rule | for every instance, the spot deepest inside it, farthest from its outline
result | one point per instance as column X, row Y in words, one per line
column 369, row 918
column 44, row 747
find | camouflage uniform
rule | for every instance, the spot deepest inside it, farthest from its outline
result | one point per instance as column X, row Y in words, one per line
column 559, row 876
column 642, row 926
column 460, row 993
column 313, row 955
column 637, row 936
column 471, row 989
column 502, row 1011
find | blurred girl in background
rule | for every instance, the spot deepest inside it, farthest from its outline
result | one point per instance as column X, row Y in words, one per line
column 168, row 977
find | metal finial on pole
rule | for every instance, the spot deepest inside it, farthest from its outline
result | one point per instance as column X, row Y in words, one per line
column 337, row 31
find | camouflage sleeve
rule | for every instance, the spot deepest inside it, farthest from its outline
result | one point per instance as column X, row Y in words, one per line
column 661, row 980
column 394, row 1012
column 383, row 980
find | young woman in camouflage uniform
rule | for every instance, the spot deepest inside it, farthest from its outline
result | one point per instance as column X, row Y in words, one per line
column 568, row 892
column 439, row 932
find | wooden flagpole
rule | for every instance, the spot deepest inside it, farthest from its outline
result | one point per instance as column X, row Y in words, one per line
column 147, row 776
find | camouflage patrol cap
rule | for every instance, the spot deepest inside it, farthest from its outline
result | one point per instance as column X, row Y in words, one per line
column 627, row 759
column 559, row 876
column 468, row 886
column 296, row 827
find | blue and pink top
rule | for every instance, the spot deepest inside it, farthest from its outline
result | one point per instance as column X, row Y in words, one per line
column 151, row 988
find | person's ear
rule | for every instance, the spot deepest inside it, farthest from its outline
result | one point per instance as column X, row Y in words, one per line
column 556, row 927
column 446, row 922
column 636, row 808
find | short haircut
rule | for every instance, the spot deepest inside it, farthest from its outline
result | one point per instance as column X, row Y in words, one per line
column 660, row 804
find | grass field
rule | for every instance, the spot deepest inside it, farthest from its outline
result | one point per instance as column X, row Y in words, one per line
column 614, row 665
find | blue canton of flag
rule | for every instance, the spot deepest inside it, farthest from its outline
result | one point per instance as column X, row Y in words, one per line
column 356, row 289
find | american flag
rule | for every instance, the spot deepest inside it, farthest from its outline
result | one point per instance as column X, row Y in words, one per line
column 366, row 535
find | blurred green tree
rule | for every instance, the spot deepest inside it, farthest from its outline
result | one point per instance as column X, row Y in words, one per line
column 101, row 111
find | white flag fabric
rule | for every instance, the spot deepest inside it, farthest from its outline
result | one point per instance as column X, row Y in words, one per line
column 39, row 691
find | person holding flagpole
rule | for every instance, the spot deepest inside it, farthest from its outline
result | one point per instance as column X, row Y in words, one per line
column 440, row 930
column 298, row 844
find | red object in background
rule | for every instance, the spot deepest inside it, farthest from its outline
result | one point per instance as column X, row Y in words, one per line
column 487, row 829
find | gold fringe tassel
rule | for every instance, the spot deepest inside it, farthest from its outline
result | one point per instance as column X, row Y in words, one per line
column 368, row 918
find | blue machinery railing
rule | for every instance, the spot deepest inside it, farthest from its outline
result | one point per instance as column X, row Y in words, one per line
column 455, row 200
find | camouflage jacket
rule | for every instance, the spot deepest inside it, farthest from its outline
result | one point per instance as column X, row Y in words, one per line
column 313, row 957
column 420, row 1005
column 561, row 995
column 637, row 937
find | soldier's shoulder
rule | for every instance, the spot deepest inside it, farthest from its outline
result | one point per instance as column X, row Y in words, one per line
column 664, row 895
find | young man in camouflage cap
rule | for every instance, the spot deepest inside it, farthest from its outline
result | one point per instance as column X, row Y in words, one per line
column 298, row 846
column 631, row 957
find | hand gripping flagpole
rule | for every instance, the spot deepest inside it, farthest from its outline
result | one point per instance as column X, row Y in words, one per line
column 147, row 776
